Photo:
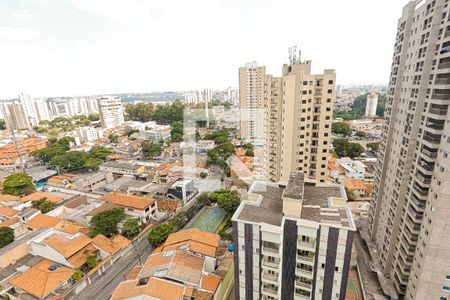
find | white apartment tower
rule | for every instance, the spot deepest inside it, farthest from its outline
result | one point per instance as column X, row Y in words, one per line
column 290, row 243
column 409, row 218
column 371, row 105
column 110, row 111
column 296, row 111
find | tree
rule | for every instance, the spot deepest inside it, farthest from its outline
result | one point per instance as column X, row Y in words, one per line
column 106, row 222
column 176, row 134
column 249, row 152
column 100, row 152
column 131, row 227
column 6, row 236
column 341, row 128
column 69, row 160
column 94, row 117
column 18, row 184
column 92, row 262
column 142, row 112
column 113, row 138
column 355, row 150
column 360, row 134
column 43, row 205
column 159, row 234
column 151, row 149
column 77, row 275
column 179, row 221
column 350, row 194
column 373, row 146
column 343, row 147
column 65, row 142
column 228, row 200
column 248, row 146
column 92, row 163
column 202, row 199
column 2, row 124
column 203, row 175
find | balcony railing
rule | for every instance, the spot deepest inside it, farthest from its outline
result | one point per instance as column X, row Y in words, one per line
column 271, row 250
column 442, row 81
column 423, row 179
column 431, row 139
column 435, row 126
column 309, row 245
column 270, row 291
column 421, row 191
column 429, row 153
column 270, row 277
column 438, row 111
column 301, row 297
column 426, row 166
column 306, row 258
column 444, row 65
column 270, row 264
column 440, row 96
column 301, row 283
column 305, row 272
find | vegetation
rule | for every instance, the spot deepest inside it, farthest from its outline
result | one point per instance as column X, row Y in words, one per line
column 360, row 134
column 344, row 148
column 358, row 108
column 162, row 114
column 43, row 205
column 106, row 222
column 373, row 146
column 176, row 134
column 131, row 227
column 129, row 131
column 2, row 124
column 223, row 150
column 6, row 236
column 64, row 124
column 225, row 199
column 350, row 194
column 151, row 150
column 203, row 175
column 113, row 138
column 159, row 234
column 58, row 155
column 77, row 275
column 341, row 128
column 18, row 184
column 91, row 262
column 249, row 152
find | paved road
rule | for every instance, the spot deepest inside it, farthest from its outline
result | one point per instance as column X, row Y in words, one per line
column 105, row 285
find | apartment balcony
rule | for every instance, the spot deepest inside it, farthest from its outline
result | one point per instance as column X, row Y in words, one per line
column 270, row 278
column 307, row 245
column 444, row 65
column 303, row 284
column 301, row 297
column 430, row 154
column 270, row 264
column 304, row 273
column 270, row 251
column 421, row 191
column 440, row 111
column 443, row 96
column 415, row 214
column 308, row 259
column 435, row 125
column 423, row 178
column 432, row 138
column 270, row 291
column 426, row 166
column 442, row 81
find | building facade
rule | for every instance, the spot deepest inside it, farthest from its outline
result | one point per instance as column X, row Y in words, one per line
column 290, row 244
column 371, row 105
column 409, row 218
column 296, row 120
column 110, row 111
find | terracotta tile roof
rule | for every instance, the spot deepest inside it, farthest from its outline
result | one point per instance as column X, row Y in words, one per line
column 102, row 242
column 75, row 202
column 168, row 205
column 68, row 245
column 120, row 240
column 70, row 228
column 155, row 287
column 9, row 212
column 202, row 295
column 104, row 207
column 78, row 259
column 39, row 195
column 130, row 201
column 198, row 241
column 7, row 198
column 39, row 281
column 134, row 273
column 9, row 222
column 43, row 221
column 210, row 282
column 354, row 184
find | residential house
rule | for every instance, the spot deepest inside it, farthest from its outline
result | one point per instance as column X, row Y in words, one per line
column 136, row 206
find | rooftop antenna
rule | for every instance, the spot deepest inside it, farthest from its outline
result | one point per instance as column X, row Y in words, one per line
column 293, row 54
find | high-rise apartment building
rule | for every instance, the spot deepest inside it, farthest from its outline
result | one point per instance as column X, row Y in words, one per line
column 297, row 116
column 251, row 102
column 291, row 243
column 110, row 111
column 371, row 105
column 15, row 115
column 409, row 219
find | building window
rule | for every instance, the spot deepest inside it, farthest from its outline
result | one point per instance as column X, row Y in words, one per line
column 446, row 288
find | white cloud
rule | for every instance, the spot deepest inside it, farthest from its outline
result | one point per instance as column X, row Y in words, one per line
column 23, row 14
column 83, row 44
column 19, row 34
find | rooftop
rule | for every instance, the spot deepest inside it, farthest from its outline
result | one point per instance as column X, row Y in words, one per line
column 41, row 195
column 43, row 221
column 7, row 211
column 197, row 241
column 121, row 165
column 130, row 201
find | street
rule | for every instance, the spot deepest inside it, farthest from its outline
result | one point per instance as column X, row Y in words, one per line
column 103, row 287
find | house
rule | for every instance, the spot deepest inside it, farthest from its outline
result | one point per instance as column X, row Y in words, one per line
column 135, row 206
column 182, row 189
column 28, row 214
column 7, row 212
column 42, row 221
column 110, row 247
column 121, row 168
column 351, row 168
column 91, row 182
column 359, row 189
column 16, row 225
column 41, row 195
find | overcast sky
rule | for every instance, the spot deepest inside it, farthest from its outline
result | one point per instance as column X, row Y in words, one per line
column 80, row 47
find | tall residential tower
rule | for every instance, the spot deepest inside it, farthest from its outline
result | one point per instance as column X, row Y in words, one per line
column 409, row 219
column 111, row 111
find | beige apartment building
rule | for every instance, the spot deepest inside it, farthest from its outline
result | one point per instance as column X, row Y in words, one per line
column 110, row 111
column 409, row 219
column 296, row 118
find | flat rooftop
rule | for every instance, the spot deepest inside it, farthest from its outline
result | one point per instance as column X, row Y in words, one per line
column 265, row 203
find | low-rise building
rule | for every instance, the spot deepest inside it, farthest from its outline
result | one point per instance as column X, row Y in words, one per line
column 143, row 208
column 91, row 182
column 183, row 190
column 359, row 190
column 121, row 168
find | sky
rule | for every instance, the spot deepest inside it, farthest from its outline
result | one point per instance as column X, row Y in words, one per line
column 81, row 47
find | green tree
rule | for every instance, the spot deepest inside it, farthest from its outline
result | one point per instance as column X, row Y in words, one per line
column 179, row 221
column 142, row 112
column 203, row 175
column 94, row 117
column 92, row 163
column 202, row 199
column 131, row 227
column 69, row 160
column 6, row 236
column 113, row 138
column 249, row 152
column 65, row 142
column 46, row 154
column 341, row 128
column 77, row 275
column 100, row 152
column 159, row 234
column 355, row 150
column 2, row 124
column 151, row 150
column 176, row 134
column 350, row 194
column 43, row 205
column 106, row 222
column 18, row 184
column 228, row 200
column 360, row 134
column 248, row 146
column 373, row 146
column 343, row 147
column 92, row 262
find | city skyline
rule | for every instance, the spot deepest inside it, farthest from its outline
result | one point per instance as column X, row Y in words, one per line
column 79, row 53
